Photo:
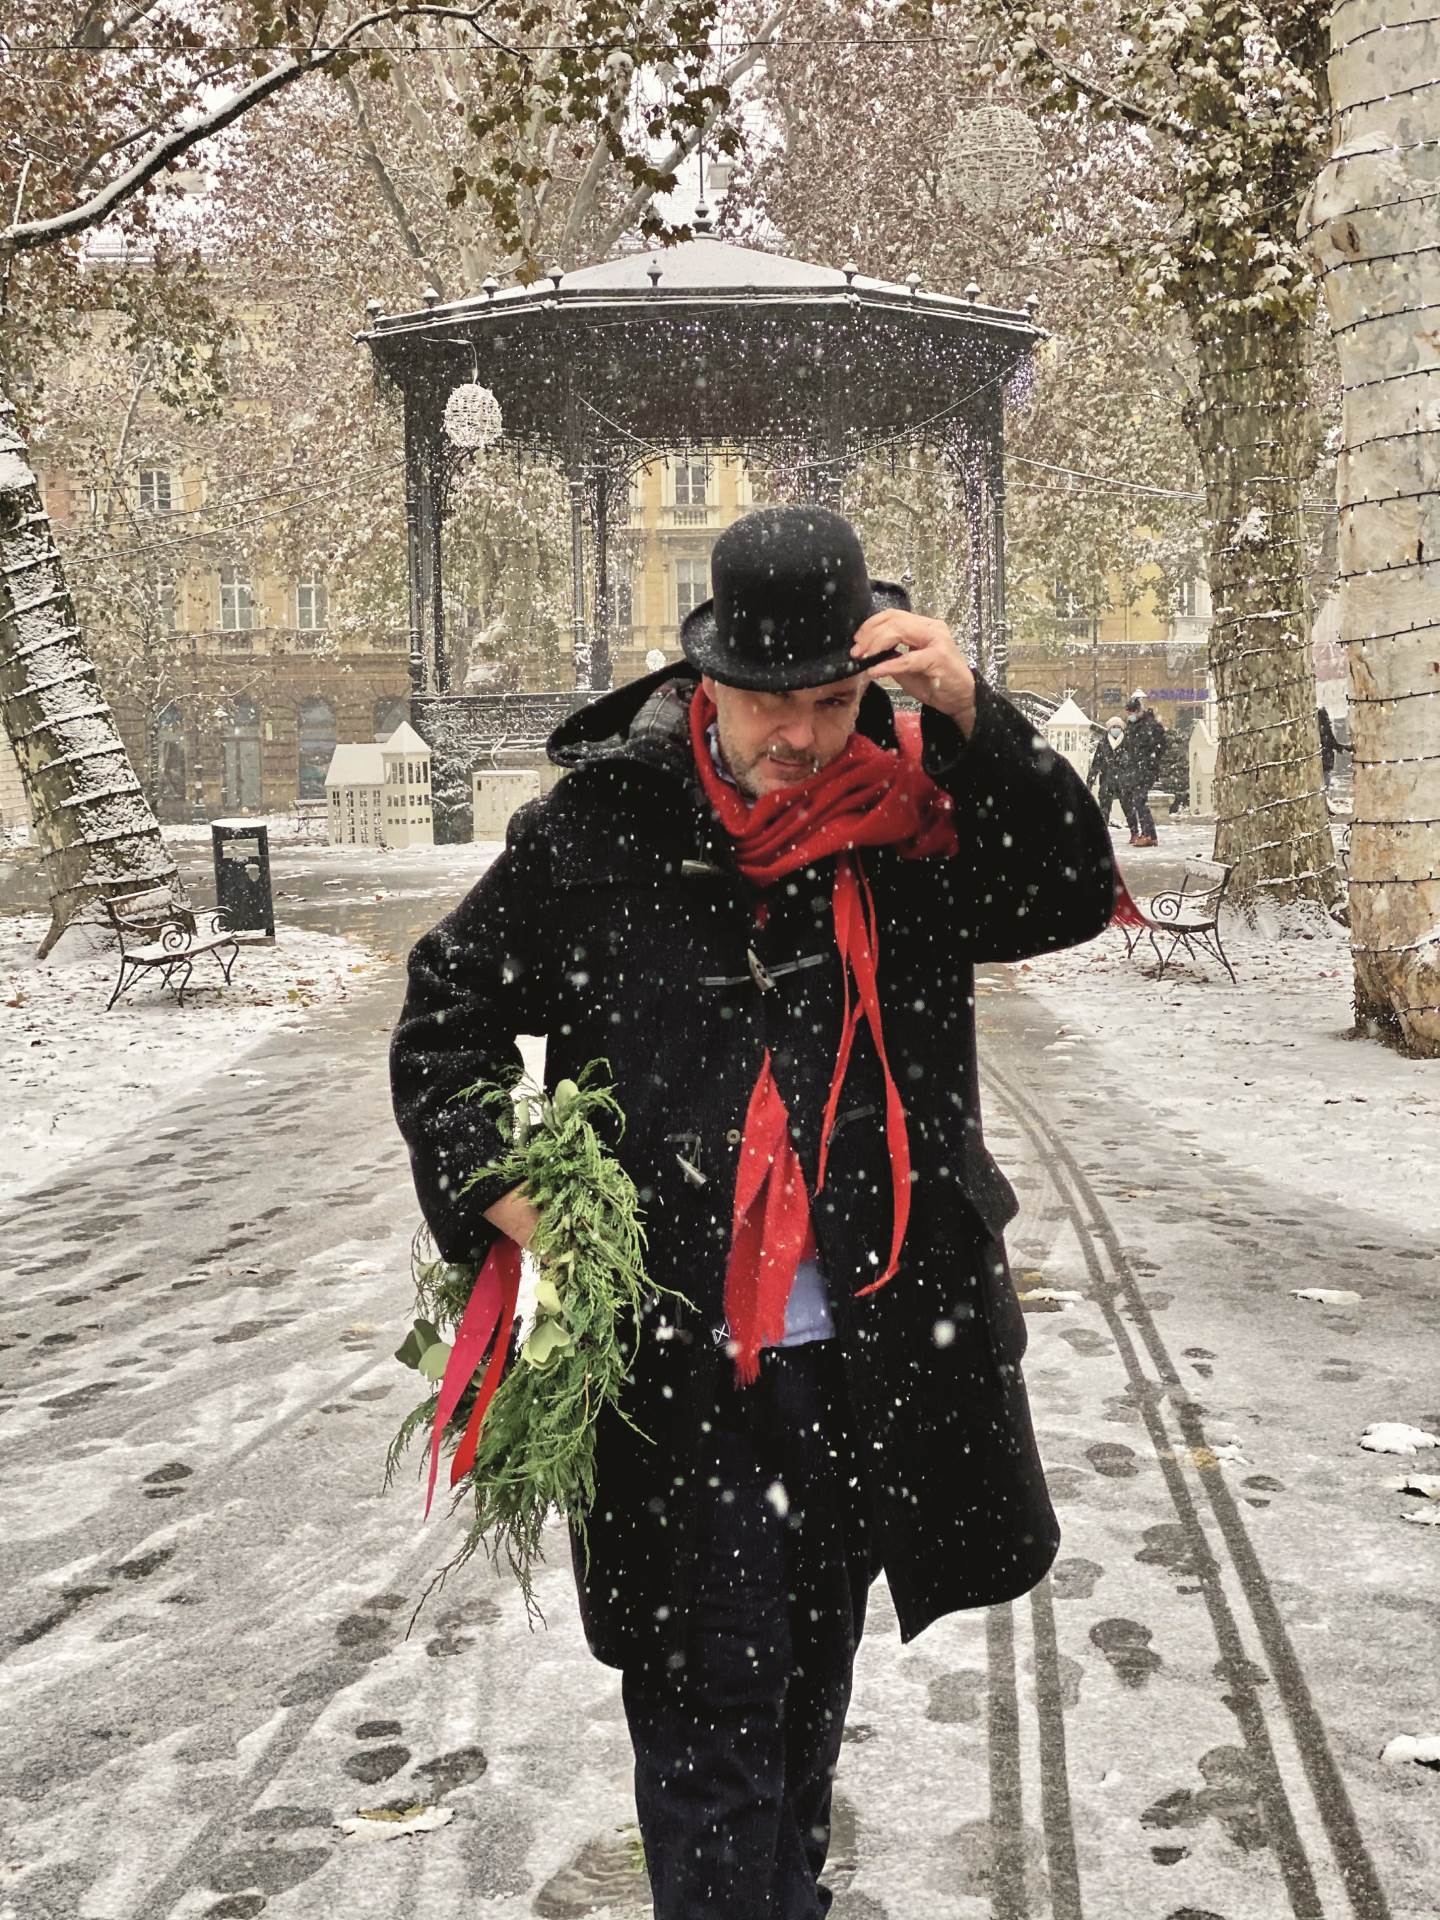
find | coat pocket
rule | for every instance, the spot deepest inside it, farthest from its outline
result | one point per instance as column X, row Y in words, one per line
column 989, row 1192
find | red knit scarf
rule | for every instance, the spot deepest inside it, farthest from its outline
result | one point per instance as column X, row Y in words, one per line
column 866, row 797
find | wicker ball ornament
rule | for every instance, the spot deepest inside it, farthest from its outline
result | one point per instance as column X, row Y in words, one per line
column 472, row 418
column 994, row 161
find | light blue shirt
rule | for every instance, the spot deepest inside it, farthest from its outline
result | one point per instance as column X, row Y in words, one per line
column 807, row 1311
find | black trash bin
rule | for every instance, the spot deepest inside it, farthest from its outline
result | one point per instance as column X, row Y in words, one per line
column 242, row 875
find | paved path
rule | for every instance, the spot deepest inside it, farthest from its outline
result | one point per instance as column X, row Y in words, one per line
column 206, row 1655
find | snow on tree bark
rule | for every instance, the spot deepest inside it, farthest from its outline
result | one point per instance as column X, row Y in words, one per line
column 1272, row 825
column 96, row 830
column 1371, row 223
column 1223, row 101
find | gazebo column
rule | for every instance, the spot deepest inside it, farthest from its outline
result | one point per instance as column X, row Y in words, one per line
column 977, row 542
column 998, row 661
column 415, row 543
column 436, row 501
column 601, row 674
column 579, row 634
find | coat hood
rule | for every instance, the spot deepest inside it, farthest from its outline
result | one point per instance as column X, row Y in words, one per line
column 648, row 720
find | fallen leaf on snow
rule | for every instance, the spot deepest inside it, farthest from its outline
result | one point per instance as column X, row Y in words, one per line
column 1327, row 1296
column 381, row 1823
column 1059, row 1294
column 1225, row 1453
column 1424, row 1752
column 1423, row 1516
column 1393, row 1436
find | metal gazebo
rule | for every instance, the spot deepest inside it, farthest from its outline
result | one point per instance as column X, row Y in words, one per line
column 704, row 345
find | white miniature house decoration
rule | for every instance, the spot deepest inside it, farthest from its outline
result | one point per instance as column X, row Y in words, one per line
column 495, row 794
column 1069, row 733
column 379, row 793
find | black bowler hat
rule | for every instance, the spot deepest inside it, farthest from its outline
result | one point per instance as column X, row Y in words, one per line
column 791, row 589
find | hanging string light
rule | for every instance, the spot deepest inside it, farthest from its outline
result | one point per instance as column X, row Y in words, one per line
column 994, row 161
column 473, row 419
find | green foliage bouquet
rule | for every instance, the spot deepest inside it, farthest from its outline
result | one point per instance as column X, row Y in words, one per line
column 535, row 1447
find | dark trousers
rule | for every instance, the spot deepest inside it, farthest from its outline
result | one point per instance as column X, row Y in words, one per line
column 1137, row 804
column 736, row 1745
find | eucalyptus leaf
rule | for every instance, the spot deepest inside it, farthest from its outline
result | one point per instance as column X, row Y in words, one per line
column 547, row 1297
column 435, row 1359
column 548, row 1339
column 412, row 1350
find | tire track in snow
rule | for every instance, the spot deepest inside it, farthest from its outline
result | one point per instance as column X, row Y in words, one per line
column 1101, row 1249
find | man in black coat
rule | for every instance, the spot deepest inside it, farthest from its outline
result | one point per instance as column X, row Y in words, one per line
column 1106, row 778
column 1141, row 752
column 763, row 905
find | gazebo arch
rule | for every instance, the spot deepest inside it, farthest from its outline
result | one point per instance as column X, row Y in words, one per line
column 702, row 345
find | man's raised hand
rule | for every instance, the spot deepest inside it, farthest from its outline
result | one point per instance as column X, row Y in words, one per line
column 932, row 668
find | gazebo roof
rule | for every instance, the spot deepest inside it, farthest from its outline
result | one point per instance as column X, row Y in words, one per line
column 707, row 340
column 705, row 268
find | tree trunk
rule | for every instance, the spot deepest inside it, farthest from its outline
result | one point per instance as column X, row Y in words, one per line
column 1251, row 428
column 1371, row 221
column 97, row 832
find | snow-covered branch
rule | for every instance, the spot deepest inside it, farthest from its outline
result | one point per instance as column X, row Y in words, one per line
column 196, row 126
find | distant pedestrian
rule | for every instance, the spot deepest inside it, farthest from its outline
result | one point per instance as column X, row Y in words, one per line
column 1330, row 745
column 1106, row 777
column 1140, row 755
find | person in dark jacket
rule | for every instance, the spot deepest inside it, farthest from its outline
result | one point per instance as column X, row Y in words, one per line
column 1106, row 778
column 1330, row 744
column 1141, row 752
column 760, row 896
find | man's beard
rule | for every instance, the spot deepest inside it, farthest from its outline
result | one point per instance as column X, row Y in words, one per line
column 743, row 772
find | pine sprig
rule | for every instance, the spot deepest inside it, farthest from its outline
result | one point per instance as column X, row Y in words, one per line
column 537, row 1446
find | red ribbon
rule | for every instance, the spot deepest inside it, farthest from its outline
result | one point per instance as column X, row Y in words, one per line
column 1126, row 913
column 489, row 1311
column 866, row 796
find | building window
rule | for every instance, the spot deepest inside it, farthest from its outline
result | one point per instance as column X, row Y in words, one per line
column 317, row 747
column 390, row 714
column 1187, row 599
column 692, row 483
column 237, row 606
column 155, row 490
column 692, row 585
column 624, row 614
column 165, row 602
column 241, row 753
column 1069, row 602
column 310, row 606
column 170, row 758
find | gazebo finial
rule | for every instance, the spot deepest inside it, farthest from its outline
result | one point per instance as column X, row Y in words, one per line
column 704, row 218
column 653, row 269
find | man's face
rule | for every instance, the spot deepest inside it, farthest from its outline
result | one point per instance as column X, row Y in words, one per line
column 772, row 741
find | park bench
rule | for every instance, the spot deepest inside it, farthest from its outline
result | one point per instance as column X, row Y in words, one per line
column 159, row 935
column 311, row 819
column 1189, row 915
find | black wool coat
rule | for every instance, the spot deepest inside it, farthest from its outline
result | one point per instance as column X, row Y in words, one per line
column 616, row 924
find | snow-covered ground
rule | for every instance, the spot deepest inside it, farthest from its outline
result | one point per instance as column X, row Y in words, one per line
column 76, row 1075
column 1263, row 1071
